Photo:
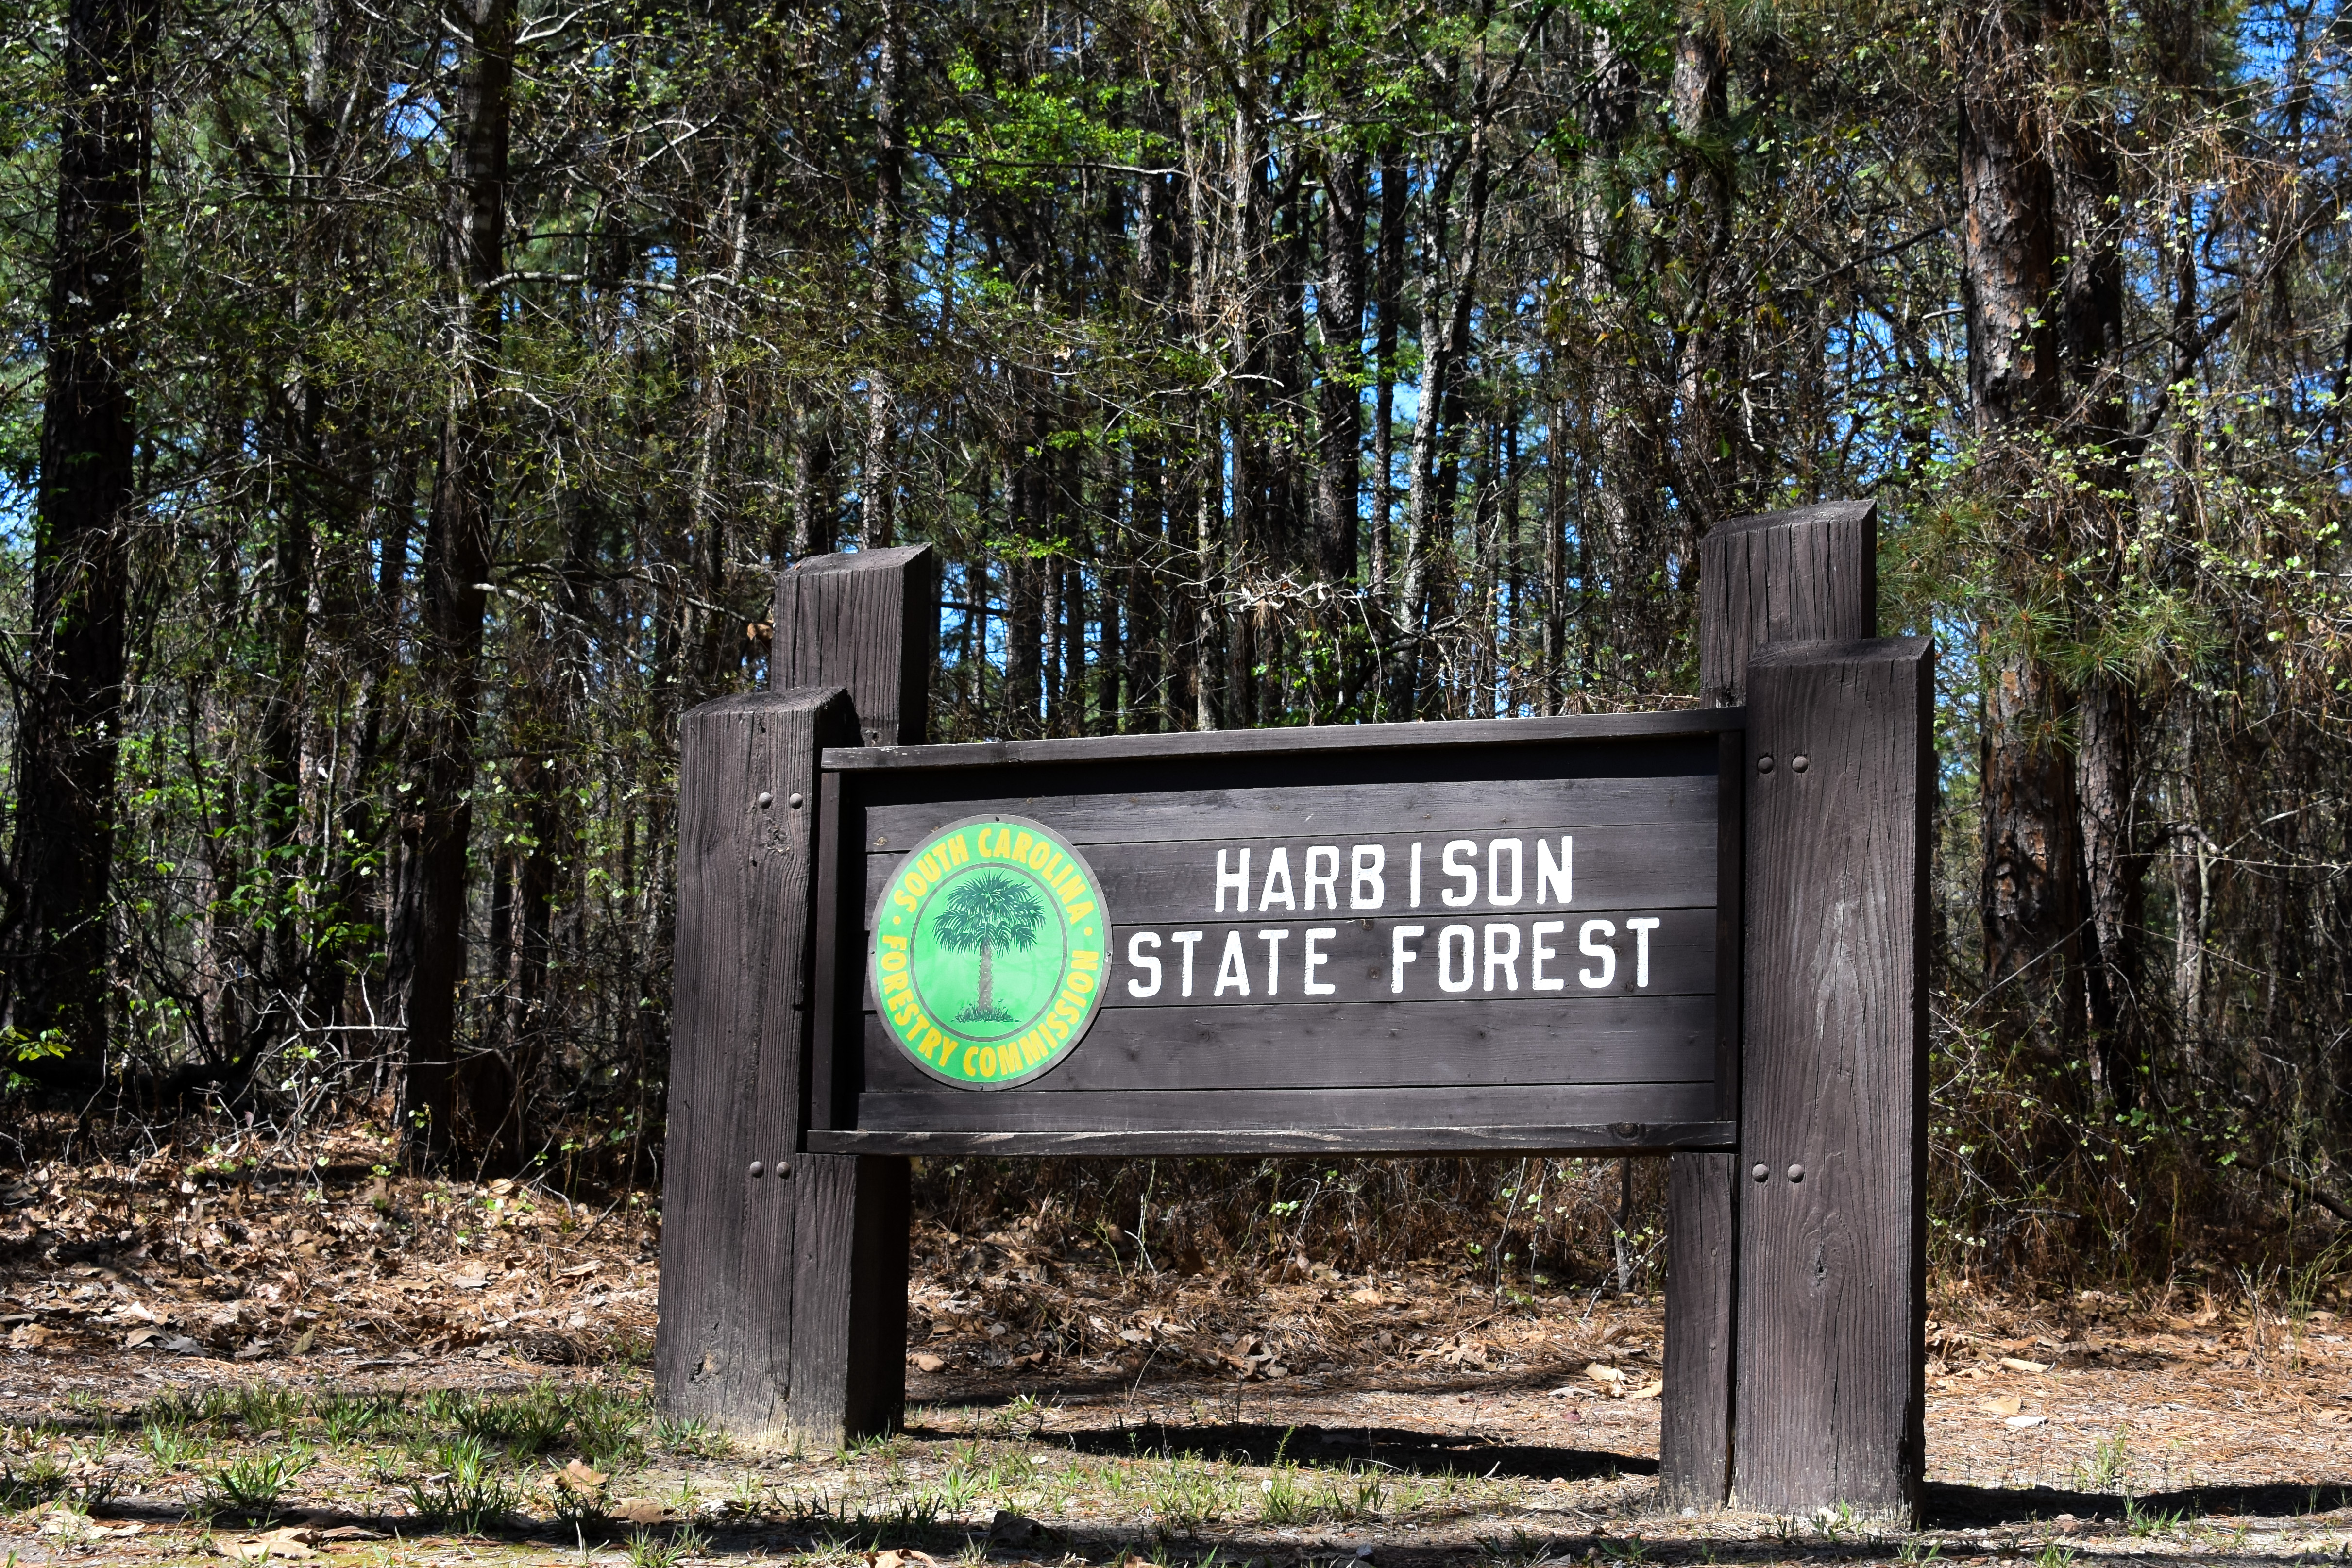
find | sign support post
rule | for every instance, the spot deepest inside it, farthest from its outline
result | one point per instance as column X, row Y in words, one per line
column 783, row 1281
column 1806, row 575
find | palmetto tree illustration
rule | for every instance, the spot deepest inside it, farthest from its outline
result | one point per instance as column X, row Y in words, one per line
column 984, row 913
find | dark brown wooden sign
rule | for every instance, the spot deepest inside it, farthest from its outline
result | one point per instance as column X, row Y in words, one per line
column 1701, row 932
column 1506, row 935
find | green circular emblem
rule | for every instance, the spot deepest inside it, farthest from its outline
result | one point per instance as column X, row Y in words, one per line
column 988, row 951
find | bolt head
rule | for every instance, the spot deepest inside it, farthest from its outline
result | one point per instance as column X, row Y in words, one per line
column 1799, row 762
column 758, row 1169
column 1762, row 1172
column 1764, row 763
column 1796, row 1173
column 794, row 800
column 766, row 799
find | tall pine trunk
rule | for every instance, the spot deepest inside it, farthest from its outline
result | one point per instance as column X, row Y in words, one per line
column 2031, row 890
column 53, row 938
column 428, row 936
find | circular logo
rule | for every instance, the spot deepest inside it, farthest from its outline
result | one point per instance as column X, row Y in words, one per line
column 988, row 951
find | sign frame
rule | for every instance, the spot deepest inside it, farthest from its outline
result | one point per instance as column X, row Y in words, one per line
column 1312, row 1117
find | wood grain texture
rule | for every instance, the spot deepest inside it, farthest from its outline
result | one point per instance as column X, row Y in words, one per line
column 1805, row 575
column 1802, row 575
column 740, row 1025
column 869, row 620
column 849, row 1279
column 1617, row 870
column 866, row 620
column 1359, row 737
column 1613, row 1138
column 1322, row 797
column 1286, row 1110
column 1438, row 1045
column 1694, row 1420
column 1833, row 1268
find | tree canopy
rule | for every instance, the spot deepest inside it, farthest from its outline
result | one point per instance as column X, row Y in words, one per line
column 407, row 408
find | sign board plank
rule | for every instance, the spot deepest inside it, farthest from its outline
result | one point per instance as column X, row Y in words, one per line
column 1299, row 933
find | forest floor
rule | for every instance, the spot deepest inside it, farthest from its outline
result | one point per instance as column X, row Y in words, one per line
column 334, row 1365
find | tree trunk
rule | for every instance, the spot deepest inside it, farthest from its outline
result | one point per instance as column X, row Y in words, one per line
column 1339, row 308
column 53, row 940
column 428, row 937
column 877, row 484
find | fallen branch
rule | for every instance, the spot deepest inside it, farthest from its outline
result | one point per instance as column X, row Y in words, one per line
column 2304, row 1186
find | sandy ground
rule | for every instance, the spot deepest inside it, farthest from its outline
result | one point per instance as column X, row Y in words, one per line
column 1059, row 1412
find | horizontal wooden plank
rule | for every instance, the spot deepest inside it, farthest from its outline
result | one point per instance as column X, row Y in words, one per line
column 1433, row 811
column 1619, row 1138
column 1179, row 1110
column 1611, row 1040
column 1355, row 957
column 1194, row 744
column 1622, row 869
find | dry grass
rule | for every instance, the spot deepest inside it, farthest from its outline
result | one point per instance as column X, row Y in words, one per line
column 398, row 1371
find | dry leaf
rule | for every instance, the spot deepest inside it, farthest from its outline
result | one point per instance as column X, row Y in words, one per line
column 2007, row 1405
column 469, row 1282
column 926, row 1362
column 138, row 1337
column 639, row 1510
column 1602, row 1373
column 350, row 1533
column 304, row 1340
column 1648, row 1390
column 578, row 1270
column 1369, row 1297
column 28, row 1336
column 899, row 1559
column 2016, row 1364
column 577, row 1477
column 2334, row 1418
column 292, row 1542
column 2025, row 1420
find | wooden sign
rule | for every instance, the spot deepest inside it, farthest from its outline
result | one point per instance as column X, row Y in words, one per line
column 1699, row 932
column 1506, row 935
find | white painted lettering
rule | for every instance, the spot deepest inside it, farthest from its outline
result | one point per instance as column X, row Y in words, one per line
column 1462, row 871
column 1641, row 928
column 1365, row 888
column 1238, row 881
column 1230, row 968
column 1138, row 958
column 1495, row 876
column 1502, row 953
column 1538, row 951
column 1188, row 940
column 1277, row 869
column 1600, row 950
column 1555, row 877
column 1328, row 879
column 1399, row 954
column 1445, row 980
column 1272, row 940
column 1310, row 961
column 1412, row 899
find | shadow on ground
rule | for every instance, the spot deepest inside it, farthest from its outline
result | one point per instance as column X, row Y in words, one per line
column 1394, row 1447
column 1963, row 1507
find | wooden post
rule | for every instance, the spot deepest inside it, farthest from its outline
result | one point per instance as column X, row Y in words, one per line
column 1832, row 1222
column 868, row 620
column 1806, row 575
column 739, row 1028
column 784, row 1288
